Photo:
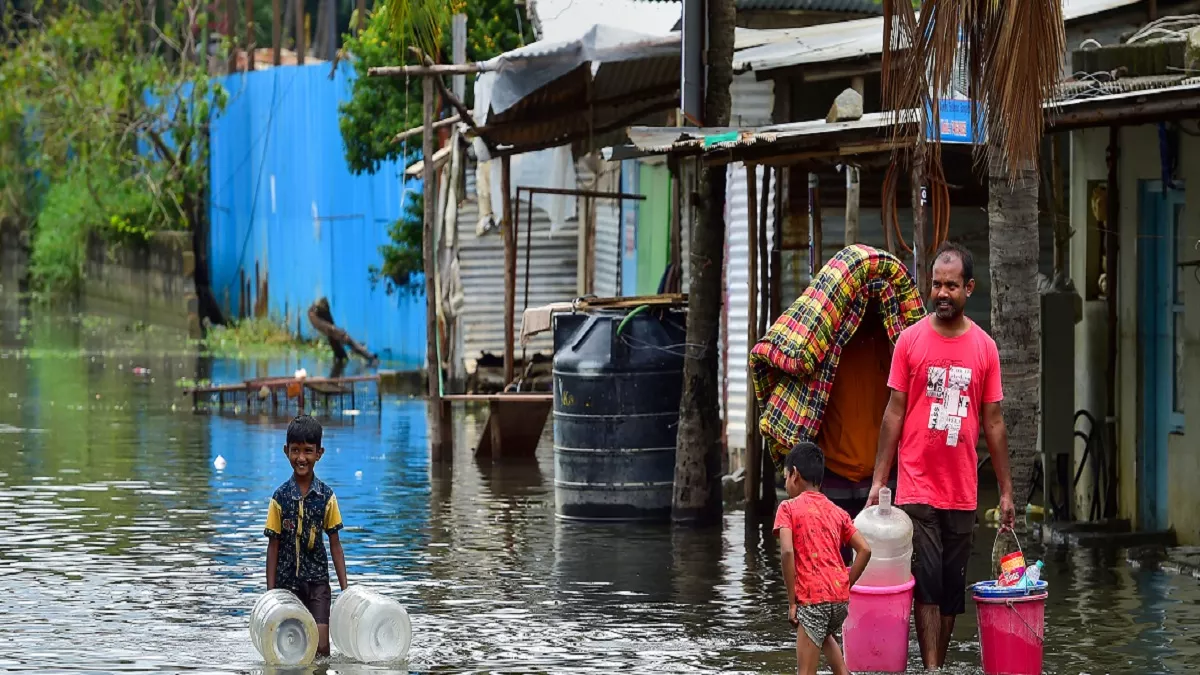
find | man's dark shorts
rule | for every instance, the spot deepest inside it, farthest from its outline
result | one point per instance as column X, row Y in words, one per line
column 941, row 548
column 317, row 596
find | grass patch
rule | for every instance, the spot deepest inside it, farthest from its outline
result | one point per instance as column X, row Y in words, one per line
column 255, row 338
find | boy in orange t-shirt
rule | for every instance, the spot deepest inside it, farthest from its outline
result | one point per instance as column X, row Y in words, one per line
column 811, row 533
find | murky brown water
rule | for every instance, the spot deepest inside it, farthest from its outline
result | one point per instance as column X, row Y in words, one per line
column 125, row 550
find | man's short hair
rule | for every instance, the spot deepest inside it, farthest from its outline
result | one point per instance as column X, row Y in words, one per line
column 807, row 459
column 304, row 429
column 964, row 256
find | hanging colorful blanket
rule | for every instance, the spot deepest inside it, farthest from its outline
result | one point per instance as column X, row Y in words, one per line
column 793, row 366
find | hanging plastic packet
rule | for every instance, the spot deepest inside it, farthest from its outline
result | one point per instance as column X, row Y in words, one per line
column 1008, row 561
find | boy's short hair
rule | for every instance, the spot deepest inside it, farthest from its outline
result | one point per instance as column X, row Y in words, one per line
column 809, row 461
column 304, row 429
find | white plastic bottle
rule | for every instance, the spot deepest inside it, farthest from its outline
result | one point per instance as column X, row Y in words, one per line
column 282, row 629
column 888, row 530
column 369, row 627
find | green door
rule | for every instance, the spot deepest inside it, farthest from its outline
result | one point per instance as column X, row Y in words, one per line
column 654, row 226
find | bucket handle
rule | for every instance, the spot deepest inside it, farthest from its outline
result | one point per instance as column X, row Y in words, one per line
column 1013, row 606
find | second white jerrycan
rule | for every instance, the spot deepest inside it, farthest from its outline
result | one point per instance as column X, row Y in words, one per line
column 889, row 532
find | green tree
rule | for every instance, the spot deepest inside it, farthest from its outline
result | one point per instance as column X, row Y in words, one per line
column 379, row 108
column 102, row 119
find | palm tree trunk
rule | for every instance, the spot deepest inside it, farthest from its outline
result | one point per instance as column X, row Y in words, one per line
column 697, row 496
column 1016, row 312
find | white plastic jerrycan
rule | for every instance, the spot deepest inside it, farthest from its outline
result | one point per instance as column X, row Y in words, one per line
column 889, row 532
column 369, row 627
column 282, row 629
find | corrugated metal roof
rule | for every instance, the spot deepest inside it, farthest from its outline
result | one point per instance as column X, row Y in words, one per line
column 856, row 6
column 590, row 88
column 1075, row 90
column 826, row 43
column 672, row 139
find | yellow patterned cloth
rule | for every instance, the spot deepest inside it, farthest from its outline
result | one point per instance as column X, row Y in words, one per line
column 793, row 366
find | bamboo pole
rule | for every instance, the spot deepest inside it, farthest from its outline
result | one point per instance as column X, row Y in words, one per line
column 753, row 461
column 231, row 32
column 437, row 447
column 510, row 266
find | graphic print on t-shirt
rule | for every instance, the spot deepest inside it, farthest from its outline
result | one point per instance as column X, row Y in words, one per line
column 947, row 387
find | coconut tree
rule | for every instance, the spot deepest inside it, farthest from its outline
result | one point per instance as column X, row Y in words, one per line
column 1012, row 54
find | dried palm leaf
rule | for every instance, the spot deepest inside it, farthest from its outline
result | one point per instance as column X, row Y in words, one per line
column 1012, row 51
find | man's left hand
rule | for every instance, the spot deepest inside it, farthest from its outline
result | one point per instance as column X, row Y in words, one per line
column 1008, row 512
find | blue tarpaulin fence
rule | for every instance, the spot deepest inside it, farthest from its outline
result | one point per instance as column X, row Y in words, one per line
column 289, row 221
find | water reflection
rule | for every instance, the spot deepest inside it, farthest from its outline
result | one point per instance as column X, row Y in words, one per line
column 127, row 550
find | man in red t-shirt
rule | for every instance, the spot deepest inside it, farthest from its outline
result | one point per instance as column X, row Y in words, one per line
column 945, row 377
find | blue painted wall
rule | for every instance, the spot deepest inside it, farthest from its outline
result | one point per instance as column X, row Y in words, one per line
column 284, row 202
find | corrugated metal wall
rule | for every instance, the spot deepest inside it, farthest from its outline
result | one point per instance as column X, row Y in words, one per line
column 753, row 101
column 608, row 226
column 734, row 339
column 286, row 208
column 552, row 274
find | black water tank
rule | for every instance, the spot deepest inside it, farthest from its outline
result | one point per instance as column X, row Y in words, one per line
column 618, row 375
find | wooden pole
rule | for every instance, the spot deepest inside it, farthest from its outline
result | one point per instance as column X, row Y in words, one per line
column 510, row 267
column 361, row 8
column 764, row 319
column 250, row 41
column 437, row 69
column 437, row 447
column 764, row 260
column 919, row 199
column 853, row 190
column 676, row 251
column 816, row 253
column 300, row 32
column 276, row 34
column 781, row 189
column 753, row 461
column 231, row 32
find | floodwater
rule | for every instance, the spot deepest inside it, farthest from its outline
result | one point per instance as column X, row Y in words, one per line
column 126, row 550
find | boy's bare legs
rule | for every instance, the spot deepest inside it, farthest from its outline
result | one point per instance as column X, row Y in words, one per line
column 929, row 635
column 833, row 655
column 322, row 639
column 944, row 639
column 808, row 654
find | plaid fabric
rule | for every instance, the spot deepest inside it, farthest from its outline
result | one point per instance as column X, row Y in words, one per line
column 793, row 367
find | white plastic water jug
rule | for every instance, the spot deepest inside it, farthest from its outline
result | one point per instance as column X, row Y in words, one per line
column 369, row 627
column 889, row 532
column 282, row 629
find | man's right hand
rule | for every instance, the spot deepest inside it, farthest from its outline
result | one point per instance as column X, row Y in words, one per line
column 873, row 498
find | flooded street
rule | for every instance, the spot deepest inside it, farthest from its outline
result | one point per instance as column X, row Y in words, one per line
column 125, row 550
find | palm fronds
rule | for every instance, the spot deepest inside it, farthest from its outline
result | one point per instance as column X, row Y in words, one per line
column 1012, row 51
column 422, row 24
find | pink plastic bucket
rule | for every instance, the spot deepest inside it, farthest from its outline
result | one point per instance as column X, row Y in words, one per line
column 1011, row 633
column 875, row 634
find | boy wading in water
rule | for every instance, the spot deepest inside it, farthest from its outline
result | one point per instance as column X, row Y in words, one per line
column 302, row 511
column 811, row 533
